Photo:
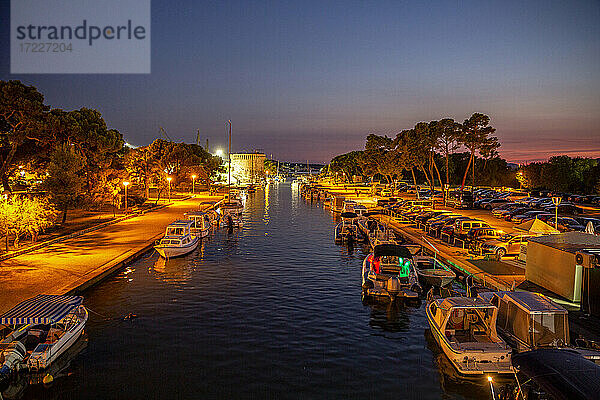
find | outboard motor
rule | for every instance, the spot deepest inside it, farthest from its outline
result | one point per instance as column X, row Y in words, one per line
column 11, row 355
column 393, row 286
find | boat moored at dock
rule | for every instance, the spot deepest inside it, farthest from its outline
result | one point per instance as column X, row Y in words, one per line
column 201, row 223
column 178, row 240
column 388, row 273
column 45, row 327
column 433, row 272
column 465, row 329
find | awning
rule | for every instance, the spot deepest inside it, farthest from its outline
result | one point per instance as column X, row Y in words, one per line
column 41, row 309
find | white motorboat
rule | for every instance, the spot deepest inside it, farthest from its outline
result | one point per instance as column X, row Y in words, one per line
column 230, row 212
column 465, row 329
column 433, row 272
column 178, row 240
column 347, row 231
column 49, row 324
column 388, row 273
column 201, row 225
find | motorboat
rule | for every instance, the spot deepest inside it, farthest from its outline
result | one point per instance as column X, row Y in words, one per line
column 348, row 206
column 360, row 210
column 178, row 240
column 380, row 234
column 388, row 273
column 347, row 230
column 529, row 321
column 465, row 329
column 45, row 326
column 433, row 272
column 201, row 223
column 230, row 212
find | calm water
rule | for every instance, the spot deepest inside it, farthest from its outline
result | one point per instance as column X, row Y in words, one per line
column 271, row 311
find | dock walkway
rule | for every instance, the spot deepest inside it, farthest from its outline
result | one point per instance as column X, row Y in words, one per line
column 77, row 263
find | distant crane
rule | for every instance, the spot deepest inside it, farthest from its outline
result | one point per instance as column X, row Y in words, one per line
column 164, row 133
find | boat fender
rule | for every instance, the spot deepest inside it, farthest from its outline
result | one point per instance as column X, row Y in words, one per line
column 48, row 379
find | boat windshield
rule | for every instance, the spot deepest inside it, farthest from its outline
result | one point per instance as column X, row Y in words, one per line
column 395, row 265
column 175, row 231
column 549, row 329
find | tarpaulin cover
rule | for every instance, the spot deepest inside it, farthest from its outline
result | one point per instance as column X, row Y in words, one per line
column 41, row 309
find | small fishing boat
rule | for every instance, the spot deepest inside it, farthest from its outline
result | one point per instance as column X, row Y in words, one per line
column 47, row 324
column 347, row 231
column 389, row 273
column 433, row 272
column 201, row 223
column 178, row 240
column 465, row 329
column 230, row 212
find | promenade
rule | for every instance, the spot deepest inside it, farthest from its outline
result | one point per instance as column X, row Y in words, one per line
column 76, row 263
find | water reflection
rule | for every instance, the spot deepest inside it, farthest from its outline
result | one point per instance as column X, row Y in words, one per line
column 391, row 317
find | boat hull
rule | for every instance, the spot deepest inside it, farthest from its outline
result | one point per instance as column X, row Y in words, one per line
column 472, row 361
column 40, row 361
column 435, row 277
column 177, row 251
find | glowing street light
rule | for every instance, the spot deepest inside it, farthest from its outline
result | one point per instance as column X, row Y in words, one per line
column 169, row 180
column 193, row 184
column 125, row 183
column 219, row 153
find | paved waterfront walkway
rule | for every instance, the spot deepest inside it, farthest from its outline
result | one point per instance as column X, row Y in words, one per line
column 66, row 265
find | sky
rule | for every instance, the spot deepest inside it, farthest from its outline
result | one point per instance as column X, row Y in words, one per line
column 308, row 80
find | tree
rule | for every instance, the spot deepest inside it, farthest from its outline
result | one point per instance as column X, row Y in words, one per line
column 20, row 216
column 380, row 157
column 348, row 164
column 65, row 180
column 448, row 134
column 22, row 112
column 101, row 148
column 475, row 135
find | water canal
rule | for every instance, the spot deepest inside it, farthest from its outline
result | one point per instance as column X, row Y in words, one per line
column 271, row 311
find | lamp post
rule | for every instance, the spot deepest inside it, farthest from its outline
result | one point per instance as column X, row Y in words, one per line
column 194, row 185
column 169, row 180
column 125, row 183
column 556, row 200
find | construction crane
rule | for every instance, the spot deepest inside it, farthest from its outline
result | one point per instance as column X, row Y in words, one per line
column 163, row 133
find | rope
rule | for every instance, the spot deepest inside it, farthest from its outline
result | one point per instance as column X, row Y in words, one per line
column 97, row 313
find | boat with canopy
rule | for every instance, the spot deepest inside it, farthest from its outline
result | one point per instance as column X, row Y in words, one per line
column 43, row 328
column 178, row 240
column 389, row 273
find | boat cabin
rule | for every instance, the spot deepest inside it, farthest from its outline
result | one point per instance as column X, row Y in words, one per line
column 530, row 320
column 465, row 320
column 348, row 206
column 177, row 233
column 200, row 220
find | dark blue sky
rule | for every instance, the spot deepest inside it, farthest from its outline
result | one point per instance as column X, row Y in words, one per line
column 309, row 80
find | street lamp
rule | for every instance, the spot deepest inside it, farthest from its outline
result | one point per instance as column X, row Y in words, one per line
column 194, row 184
column 125, row 183
column 169, row 180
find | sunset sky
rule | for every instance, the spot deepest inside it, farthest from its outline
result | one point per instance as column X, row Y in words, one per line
column 307, row 80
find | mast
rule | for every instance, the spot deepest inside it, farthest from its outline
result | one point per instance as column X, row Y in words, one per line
column 229, row 169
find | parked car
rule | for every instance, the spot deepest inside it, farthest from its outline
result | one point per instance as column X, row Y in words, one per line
column 565, row 208
column 526, row 216
column 507, row 244
column 493, row 203
column 515, row 211
column 476, row 236
column 462, row 227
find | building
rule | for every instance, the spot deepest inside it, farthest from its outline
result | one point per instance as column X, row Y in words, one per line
column 247, row 167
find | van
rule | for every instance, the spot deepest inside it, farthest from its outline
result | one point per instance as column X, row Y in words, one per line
column 463, row 227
